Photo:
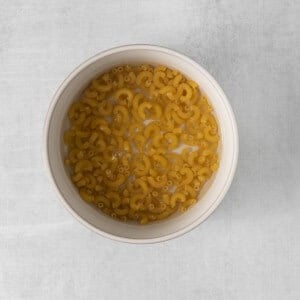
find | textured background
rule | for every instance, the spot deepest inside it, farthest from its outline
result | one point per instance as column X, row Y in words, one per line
column 249, row 248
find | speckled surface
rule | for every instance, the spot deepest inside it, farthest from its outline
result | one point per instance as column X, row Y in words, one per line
column 249, row 248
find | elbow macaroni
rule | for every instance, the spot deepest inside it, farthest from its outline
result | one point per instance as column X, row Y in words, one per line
column 142, row 142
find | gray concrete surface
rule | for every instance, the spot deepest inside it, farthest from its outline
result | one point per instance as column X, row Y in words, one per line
column 249, row 248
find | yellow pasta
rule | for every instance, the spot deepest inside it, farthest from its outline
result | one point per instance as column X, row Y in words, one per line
column 171, row 140
column 151, row 129
column 119, row 180
column 124, row 94
column 83, row 165
column 143, row 76
column 169, row 91
column 134, row 202
column 156, row 182
column 101, row 87
column 142, row 143
column 176, row 198
column 163, row 162
column 209, row 137
column 114, row 198
column 158, row 79
column 176, row 80
column 142, row 108
column 188, row 175
column 184, row 92
column 143, row 185
column 86, row 195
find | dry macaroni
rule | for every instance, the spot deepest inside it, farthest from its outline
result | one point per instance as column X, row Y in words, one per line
column 124, row 140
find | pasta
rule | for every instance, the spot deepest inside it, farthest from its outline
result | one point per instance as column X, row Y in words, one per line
column 142, row 143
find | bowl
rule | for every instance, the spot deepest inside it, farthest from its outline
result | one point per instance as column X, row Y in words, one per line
column 56, row 123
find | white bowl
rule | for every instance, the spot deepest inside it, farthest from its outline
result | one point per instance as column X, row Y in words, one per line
column 56, row 123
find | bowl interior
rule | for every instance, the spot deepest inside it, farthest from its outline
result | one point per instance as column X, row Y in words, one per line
column 213, row 191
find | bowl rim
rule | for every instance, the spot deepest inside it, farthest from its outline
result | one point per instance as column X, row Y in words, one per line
column 227, row 182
